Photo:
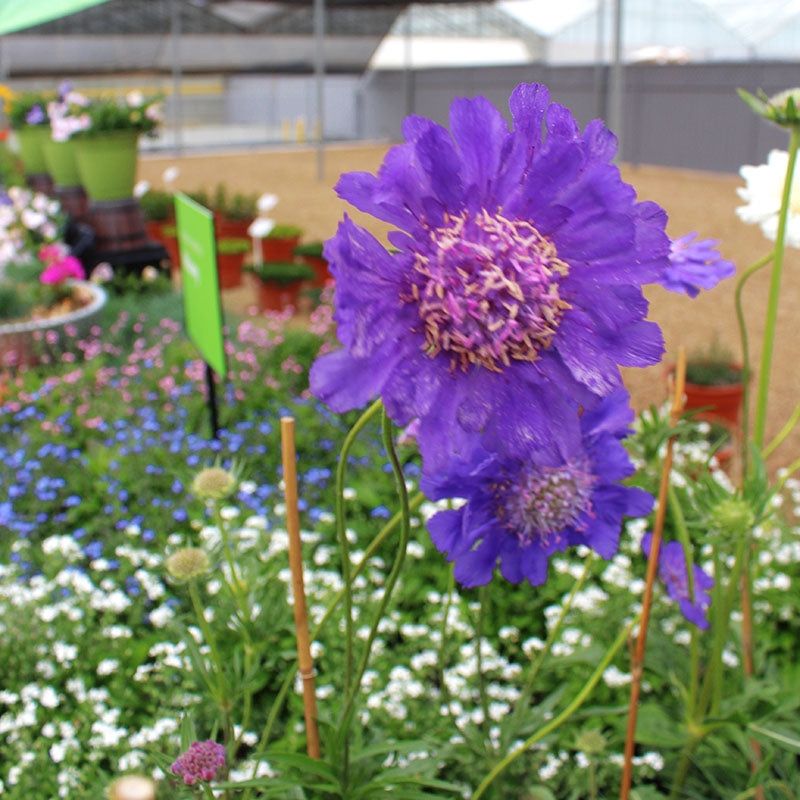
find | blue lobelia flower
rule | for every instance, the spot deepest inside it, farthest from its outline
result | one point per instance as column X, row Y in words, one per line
column 515, row 287
column 521, row 511
column 672, row 569
column 695, row 265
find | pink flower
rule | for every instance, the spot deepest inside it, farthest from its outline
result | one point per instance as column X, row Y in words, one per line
column 201, row 762
column 58, row 271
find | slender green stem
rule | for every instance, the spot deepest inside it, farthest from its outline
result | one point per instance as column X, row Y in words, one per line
column 451, row 585
column 210, row 640
column 391, row 582
column 784, row 432
column 743, row 337
column 341, row 533
column 713, row 677
column 683, row 766
column 554, row 723
column 522, row 703
column 484, row 697
column 277, row 704
column 771, row 318
column 787, row 473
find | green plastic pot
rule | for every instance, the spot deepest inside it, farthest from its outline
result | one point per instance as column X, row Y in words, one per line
column 61, row 162
column 107, row 164
column 31, row 139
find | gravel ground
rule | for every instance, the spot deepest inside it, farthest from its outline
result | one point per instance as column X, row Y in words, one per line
column 695, row 201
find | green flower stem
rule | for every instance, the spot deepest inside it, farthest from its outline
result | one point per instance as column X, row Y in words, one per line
column 771, row 319
column 236, row 583
column 554, row 723
column 451, row 585
column 222, row 685
column 743, row 338
column 688, row 556
column 341, row 533
column 711, row 691
column 277, row 704
column 391, row 581
column 787, row 473
column 484, row 697
column 785, row 431
column 527, row 691
column 683, row 766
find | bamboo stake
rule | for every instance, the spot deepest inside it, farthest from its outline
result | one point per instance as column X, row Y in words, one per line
column 637, row 658
column 305, row 663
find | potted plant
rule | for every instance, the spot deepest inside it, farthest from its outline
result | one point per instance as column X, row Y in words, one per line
column 27, row 117
column 41, row 282
column 714, row 386
column 279, row 283
column 107, row 149
column 231, row 252
column 158, row 208
column 280, row 243
column 311, row 253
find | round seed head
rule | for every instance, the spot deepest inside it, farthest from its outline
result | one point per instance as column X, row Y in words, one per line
column 187, row 563
column 213, row 483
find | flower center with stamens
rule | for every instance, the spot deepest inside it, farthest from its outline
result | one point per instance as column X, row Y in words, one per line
column 487, row 289
column 538, row 504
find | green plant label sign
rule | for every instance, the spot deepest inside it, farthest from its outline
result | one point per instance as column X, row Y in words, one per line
column 201, row 299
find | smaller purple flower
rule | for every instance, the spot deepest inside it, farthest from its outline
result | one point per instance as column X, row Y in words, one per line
column 36, row 115
column 695, row 265
column 672, row 569
column 201, row 762
column 520, row 511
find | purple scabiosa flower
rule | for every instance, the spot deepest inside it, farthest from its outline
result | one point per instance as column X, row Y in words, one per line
column 672, row 569
column 515, row 287
column 695, row 265
column 521, row 511
column 36, row 115
column 201, row 762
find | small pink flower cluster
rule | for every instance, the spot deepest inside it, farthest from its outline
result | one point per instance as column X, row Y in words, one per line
column 59, row 264
column 201, row 762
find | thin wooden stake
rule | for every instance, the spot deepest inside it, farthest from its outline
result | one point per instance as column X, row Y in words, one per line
column 637, row 659
column 304, row 659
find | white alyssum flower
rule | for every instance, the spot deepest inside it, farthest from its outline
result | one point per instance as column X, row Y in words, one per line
column 763, row 194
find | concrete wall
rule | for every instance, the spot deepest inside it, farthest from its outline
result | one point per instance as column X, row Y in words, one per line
column 685, row 115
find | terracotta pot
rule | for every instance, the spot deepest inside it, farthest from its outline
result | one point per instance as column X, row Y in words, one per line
column 719, row 403
column 227, row 228
column 229, row 269
column 278, row 249
column 320, row 266
column 274, row 296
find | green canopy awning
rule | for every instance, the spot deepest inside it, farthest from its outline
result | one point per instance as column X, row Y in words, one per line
column 15, row 15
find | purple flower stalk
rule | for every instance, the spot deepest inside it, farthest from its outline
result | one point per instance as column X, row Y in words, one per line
column 695, row 265
column 201, row 762
column 36, row 115
column 515, row 291
column 521, row 511
column 672, row 569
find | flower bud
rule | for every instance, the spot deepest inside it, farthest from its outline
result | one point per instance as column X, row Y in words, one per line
column 591, row 742
column 733, row 515
column 187, row 563
column 213, row 483
column 782, row 108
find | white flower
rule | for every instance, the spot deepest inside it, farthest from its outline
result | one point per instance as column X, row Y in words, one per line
column 107, row 666
column 141, row 189
column 169, row 174
column 267, row 202
column 260, row 227
column 134, row 98
column 763, row 197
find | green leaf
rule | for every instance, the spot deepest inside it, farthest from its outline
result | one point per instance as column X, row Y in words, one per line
column 655, row 727
column 188, row 732
column 541, row 793
column 304, row 763
column 788, row 739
